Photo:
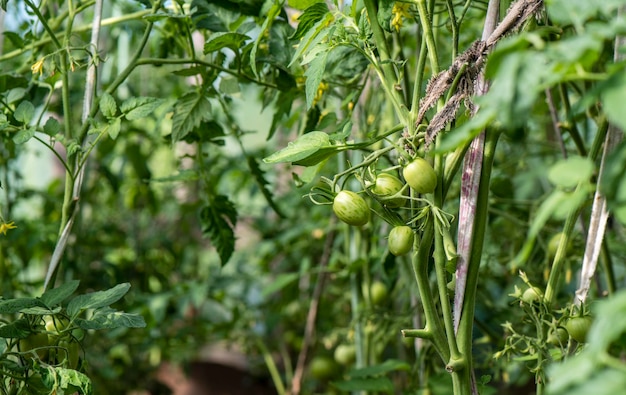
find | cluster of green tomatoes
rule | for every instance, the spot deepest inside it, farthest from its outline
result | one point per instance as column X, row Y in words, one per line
column 54, row 342
column 389, row 191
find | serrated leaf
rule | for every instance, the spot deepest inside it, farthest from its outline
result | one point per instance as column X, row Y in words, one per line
column 108, row 105
column 189, row 111
column 24, row 135
column 107, row 318
column 51, row 127
column 24, row 112
column 113, row 128
column 221, row 40
column 53, row 297
column 11, row 306
column 385, row 8
column 259, row 177
column 308, row 19
column 567, row 173
column 219, row 219
column 15, row 38
column 17, row 329
column 97, row 299
column 70, row 380
column 372, row 384
column 314, row 36
column 301, row 148
column 140, row 107
column 314, row 75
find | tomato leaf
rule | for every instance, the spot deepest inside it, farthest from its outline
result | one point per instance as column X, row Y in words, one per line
column 567, row 173
column 309, row 18
column 189, row 111
column 219, row 219
column 53, row 297
column 301, row 148
column 108, row 318
column 140, row 107
column 259, row 177
column 225, row 40
column 314, row 75
column 108, row 105
column 24, row 112
column 97, row 299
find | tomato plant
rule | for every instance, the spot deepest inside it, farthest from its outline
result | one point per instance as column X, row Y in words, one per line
column 386, row 186
column 578, row 327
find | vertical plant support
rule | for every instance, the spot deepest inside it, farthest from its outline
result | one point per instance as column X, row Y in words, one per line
column 599, row 212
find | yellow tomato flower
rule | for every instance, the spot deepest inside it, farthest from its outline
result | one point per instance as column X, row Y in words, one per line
column 6, row 226
column 37, row 67
column 399, row 11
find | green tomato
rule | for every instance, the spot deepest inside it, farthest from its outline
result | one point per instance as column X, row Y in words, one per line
column 378, row 292
column 322, row 368
column 578, row 327
column 558, row 337
column 345, row 354
column 37, row 341
column 400, row 240
column 351, row 208
column 387, row 185
column 532, row 295
column 421, row 176
column 70, row 351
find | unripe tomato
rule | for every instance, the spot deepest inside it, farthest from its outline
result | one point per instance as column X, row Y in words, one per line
column 378, row 292
column 388, row 185
column 345, row 354
column 577, row 327
column 351, row 208
column 37, row 341
column 72, row 353
column 400, row 240
column 532, row 295
column 421, row 176
column 322, row 368
column 558, row 337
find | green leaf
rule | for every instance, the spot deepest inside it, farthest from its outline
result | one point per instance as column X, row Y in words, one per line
column 613, row 96
column 24, row 112
column 70, row 380
column 567, row 173
column 11, row 306
column 55, row 296
column 189, row 111
column 259, row 177
column 579, row 11
column 385, row 8
column 281, row 281
column 308, row 19
column 24, row 135
column 107, row 318
column 303, row 147
column 221, row 40
column 314, row 75
column 51, row 127
column 97, row 299
column 314, row 36
column 219, row 219
column 389, row 365
column 114, row 127
column 17, row 329
column 273, row 12
column 372, row 384
column 282, row 109
column 108, row 105
column 613, row 182
column 302, row 4
column 140, row 107
column 229, row 86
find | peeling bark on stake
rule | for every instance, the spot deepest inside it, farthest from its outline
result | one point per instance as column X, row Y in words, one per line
column 470, row 181
column 599, row 213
